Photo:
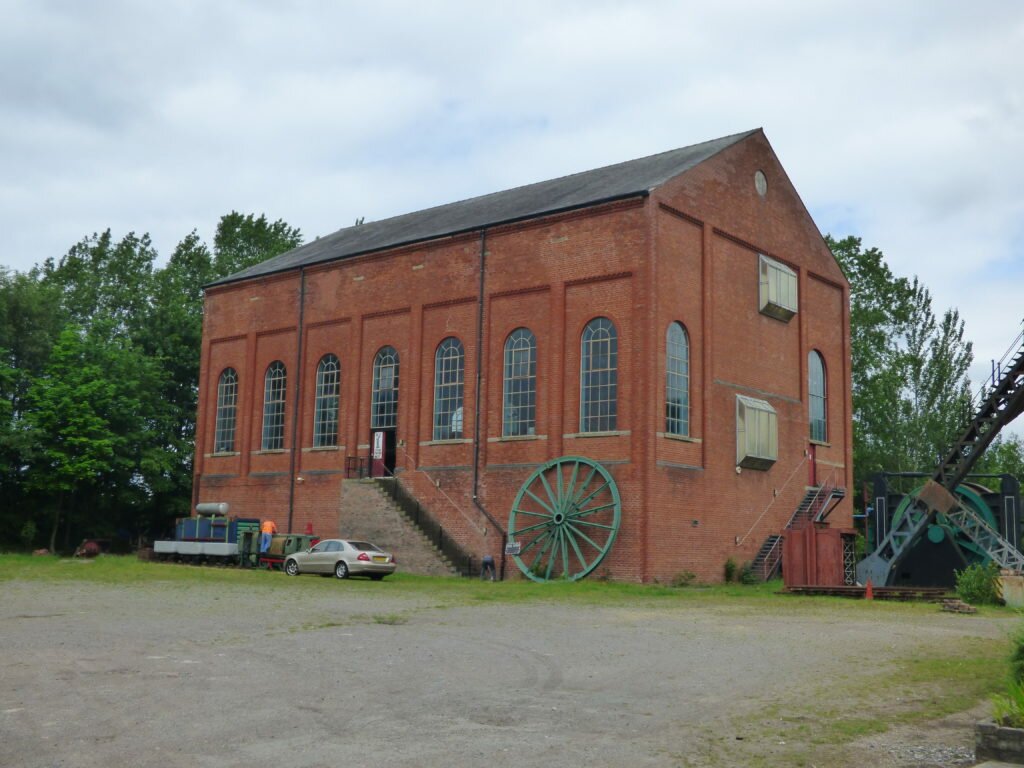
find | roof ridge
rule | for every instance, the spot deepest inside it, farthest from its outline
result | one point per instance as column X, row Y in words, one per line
column 580, row 189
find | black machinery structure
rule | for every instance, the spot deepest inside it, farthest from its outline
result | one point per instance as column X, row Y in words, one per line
column 939, row 502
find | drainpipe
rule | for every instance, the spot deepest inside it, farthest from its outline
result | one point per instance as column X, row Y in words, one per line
column 296, row 397
column 479, row 399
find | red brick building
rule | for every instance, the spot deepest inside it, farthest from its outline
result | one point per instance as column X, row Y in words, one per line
column 677, row 319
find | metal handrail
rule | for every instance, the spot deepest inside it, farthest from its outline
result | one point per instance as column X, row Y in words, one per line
column 775, row 498
column 435, row 484
column 979, row 397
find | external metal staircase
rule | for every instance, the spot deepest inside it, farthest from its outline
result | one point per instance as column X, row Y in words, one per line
column 816, row 505
column 1001, row 401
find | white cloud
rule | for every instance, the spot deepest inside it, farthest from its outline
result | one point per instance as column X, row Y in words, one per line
column 899, row 122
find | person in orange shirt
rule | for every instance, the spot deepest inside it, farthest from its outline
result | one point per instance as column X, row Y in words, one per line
column 267, row 531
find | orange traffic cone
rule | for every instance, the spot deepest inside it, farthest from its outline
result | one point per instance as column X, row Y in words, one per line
column 869, row 593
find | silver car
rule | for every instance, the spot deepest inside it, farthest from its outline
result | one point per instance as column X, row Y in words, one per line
column 342, row 558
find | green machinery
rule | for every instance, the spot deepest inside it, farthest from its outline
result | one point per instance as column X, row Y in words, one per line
column 564, row 519
column 938, row 505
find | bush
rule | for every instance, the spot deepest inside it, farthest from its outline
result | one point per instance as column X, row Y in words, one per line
column 28, row 534
column 730, row 570
column 747, row 575
column 684, row 579
column 1008, row 710
column 1017, row 657
column 979, row 584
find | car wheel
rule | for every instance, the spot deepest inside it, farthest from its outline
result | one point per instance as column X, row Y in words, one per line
column 291, row 568
column 341, row 570
column 377, row 576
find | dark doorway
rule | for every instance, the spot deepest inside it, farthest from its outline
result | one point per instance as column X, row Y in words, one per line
column 382, row 452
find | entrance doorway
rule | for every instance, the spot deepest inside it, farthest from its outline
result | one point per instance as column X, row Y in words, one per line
column 382, row 452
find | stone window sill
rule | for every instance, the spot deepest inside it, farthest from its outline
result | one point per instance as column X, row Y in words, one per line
column 270, row 452
column 613, row 433
column 328, row 448
column 680, row 438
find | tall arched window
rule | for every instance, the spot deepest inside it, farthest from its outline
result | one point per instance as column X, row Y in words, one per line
column 677, row 381
column 227, row 402
column 520, row 384
column 274, row 385
column 449, row 375
column 325, row 411
column 384, row 397
column 817, row 396
column 599, row 376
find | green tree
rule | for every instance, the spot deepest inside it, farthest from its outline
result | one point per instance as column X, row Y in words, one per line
column 910, row 385
column 242, row 241
column 90, row 411
column 102, row 279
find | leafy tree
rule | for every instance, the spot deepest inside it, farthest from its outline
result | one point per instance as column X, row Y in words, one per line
column 242, row 241
column 910, row 385
column 101, row 279
column 91, row 412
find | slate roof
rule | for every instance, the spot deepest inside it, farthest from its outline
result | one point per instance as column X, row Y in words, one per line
column 578, row 190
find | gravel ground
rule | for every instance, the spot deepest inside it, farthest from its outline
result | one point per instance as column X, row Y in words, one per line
column 206, row 675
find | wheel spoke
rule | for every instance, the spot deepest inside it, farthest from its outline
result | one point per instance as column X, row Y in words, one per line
column 570, row 487
column 540, row 554
column 594, row 525
column 547, row 489
column 592, row 510
column 586, row 538
column 565, row 554
column 590, row 495
column 576, row 548
column 533, row 527
column 559, row 501
column 534, row 497
column 519, row 511
column 554, row 554
column 534, row 541
column 583, row 487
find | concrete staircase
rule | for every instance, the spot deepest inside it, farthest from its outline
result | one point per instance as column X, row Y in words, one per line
column 368, row 514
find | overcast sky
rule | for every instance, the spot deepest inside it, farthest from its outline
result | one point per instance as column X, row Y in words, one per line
column 899, row 122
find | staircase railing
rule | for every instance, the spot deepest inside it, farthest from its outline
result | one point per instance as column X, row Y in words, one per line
column 741, row 539
column 825, row 491
column 463, row 560
column 771, row 559
column 437, row 490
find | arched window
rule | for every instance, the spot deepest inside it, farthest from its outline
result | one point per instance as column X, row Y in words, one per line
column 384, row 398
column 449, row 375
column 677, row 381
column 227, row 402
column 817, row 396
column 274, row 384
column 325, row 411
column 520, row 384
column 599, row 376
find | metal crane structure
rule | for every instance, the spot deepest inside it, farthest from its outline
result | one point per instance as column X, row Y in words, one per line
column 1001, row 401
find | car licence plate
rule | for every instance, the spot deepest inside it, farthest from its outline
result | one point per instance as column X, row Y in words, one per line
column 379, row 559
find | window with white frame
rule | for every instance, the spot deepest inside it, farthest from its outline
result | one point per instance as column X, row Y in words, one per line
column 325, row 409
column 449, row 377
column 757, row 433
column 227, row 408
column 778, row 290
column 273, row 407
column 599, row 376
column 520, row 384
column 677, row 380
column 384, row 397
column 817, row 396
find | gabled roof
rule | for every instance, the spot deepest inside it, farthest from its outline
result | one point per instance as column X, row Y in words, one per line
column 578, row 190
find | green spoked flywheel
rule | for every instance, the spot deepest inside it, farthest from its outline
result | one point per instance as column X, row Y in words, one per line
column 564, row 519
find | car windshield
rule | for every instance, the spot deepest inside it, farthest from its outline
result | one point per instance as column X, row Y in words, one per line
column 364, row 546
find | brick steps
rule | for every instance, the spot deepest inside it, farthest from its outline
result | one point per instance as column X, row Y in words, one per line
column 366, row 513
